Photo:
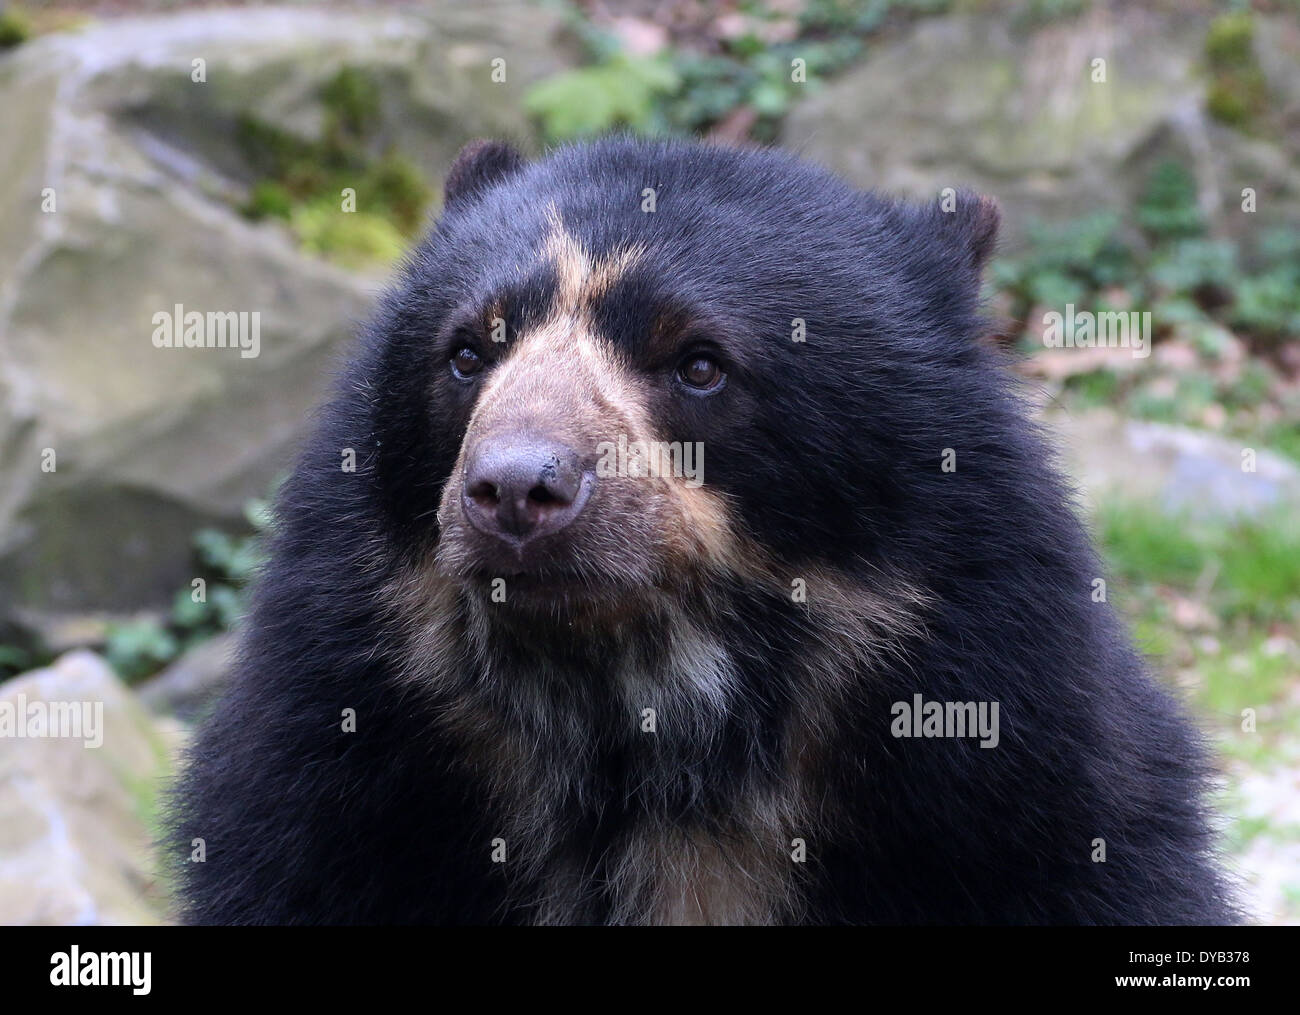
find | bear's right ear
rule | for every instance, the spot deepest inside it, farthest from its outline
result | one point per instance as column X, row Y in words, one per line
column 480, row 165
column 970, row 222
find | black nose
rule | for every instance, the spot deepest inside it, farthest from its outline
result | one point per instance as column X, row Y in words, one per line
column 524, row 487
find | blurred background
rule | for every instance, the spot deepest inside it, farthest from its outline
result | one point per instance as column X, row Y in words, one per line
column 1146, row 157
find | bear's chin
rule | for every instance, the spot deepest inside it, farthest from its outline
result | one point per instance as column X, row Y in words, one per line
column 576, row 605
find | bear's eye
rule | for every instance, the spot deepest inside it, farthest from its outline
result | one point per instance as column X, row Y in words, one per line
column 465, row 362
column 701, row 372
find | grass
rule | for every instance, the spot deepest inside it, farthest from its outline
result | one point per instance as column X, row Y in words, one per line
column 1247, row 569
column 1237, row 647
column 1235, row 652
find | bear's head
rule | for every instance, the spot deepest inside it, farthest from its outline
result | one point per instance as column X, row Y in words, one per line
column 633, row 369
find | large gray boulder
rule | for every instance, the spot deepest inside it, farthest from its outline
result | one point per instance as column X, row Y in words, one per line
column 151, row 444
column 78, row 813
column 1014, row 112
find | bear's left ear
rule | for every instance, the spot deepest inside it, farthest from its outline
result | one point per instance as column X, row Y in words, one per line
column 478, row 166
column 970, row 223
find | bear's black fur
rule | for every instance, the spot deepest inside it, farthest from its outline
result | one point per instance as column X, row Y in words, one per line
column 517, row 727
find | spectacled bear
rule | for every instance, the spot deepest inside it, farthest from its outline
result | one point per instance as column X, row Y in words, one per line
column 673, row 551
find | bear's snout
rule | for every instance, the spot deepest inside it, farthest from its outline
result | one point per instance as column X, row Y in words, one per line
column 520, row 488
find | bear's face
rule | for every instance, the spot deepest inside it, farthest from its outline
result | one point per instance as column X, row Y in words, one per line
column 581, row 471
column 629, row 376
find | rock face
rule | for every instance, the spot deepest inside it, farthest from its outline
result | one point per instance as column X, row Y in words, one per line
column 75, row 819
column 1015, row 113
column 190, row 684
column 139, row 160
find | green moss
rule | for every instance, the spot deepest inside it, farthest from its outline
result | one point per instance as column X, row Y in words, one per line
column 1230, row 42
column 15, row 29
column 394, row 189
column 354, row 239
column 146, row 792
column 352, row 103
column 269, row 199
column 1238, row 92
column 1238, row 99
column 270, row 150
column 302, row 180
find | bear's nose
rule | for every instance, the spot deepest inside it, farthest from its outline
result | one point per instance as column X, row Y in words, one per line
column 524, row 488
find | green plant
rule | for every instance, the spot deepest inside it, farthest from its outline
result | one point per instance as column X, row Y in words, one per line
column 136, row 649
column 757, row 78
column 692, row 91
column 1142, row 546
column 1249, row 387
column 861, row 17
column 234, row 559
column 1167, row 209
column 1195, row 285
column 1189, row 265
column 1269, row 303
column 15, row 659
column 1284, row 437
column 619, row 92
column 1067, row 262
